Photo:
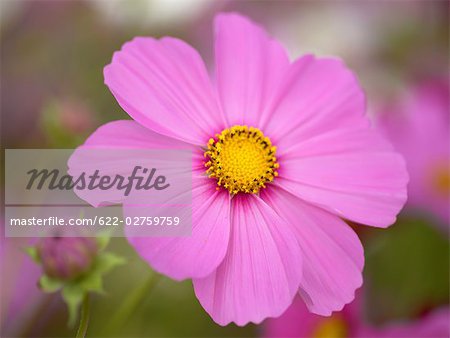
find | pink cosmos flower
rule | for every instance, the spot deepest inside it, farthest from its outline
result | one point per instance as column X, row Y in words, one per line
column 298, row 322
column 433, row 325
column 283, row 153
column 419, row 128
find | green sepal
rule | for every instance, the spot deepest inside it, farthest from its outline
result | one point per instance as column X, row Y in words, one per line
column 33, row 253
column 92, row 281
column 49, row 284
column 103, row 240
column 106, row 261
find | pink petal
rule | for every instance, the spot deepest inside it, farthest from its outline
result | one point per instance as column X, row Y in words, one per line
column 249, row 66
column 351, row 172
column 333, row 256
column 110, row 137
column 129, row 134
column 163, row 85
column 298, row 321
column 199, row 254
column 327, row 152
column 315, row 96
column 261, row 272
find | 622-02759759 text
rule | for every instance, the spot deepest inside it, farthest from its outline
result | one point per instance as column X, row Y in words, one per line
column 98, row 221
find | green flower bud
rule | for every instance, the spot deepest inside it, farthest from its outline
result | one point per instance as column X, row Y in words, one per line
column 67, row 258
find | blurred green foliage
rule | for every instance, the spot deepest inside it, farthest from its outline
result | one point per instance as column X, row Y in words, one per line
column 406, row 274
column 407, row 270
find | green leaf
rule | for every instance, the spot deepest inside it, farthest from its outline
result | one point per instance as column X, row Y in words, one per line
column 33, row 253
column 73, row 296
column 49, row 284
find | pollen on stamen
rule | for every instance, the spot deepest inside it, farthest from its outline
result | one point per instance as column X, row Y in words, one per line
column 241, row 159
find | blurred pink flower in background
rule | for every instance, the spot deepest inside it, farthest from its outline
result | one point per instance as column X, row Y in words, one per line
column 265, row 227
column 74, row 116
column 419, row 128
column 432, row 325
column 298, row 322
column 20, row 295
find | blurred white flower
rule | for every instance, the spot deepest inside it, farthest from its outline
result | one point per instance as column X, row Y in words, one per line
column 149, row 13
column 328, row 29
column 9, row 9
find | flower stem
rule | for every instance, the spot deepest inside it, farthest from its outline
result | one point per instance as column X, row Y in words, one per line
column 84, row 320
column 131, row 303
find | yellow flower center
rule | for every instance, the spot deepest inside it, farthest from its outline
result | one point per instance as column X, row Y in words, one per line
column 441, row 180
column 333, row 327
column 241, row 159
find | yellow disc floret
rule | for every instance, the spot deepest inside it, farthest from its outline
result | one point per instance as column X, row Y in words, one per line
column 241, row 159
column 334, row 326
column 441, row 180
